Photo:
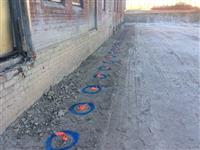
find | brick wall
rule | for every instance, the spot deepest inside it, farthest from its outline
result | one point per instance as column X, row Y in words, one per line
column 61, row 40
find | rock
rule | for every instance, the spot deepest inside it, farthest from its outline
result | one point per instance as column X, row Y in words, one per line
column 23, row 119
column 51, row 93
column 49, row 97
column 78, row 148
column 61, row 113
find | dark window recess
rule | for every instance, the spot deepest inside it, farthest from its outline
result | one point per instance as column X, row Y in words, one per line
column 93, row 14
column 104, row 5
column 115, row 5
column 78, row 3
column 118, row 6
column 57, row 1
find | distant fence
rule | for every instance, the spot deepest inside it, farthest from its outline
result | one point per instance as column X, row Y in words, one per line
column 151, row 17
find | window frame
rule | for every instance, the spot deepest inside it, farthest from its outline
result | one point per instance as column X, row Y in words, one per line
column 21, row 34
column 49, row 5
column 56, row 1
column 53, row 3
column 80, row 4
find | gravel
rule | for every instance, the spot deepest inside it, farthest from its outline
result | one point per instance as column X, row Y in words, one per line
column 50, row 112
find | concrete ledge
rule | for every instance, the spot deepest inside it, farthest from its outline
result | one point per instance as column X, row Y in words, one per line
column 151, row 17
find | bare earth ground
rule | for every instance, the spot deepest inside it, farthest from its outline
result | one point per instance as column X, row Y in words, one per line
column 50, row 113
column 149, row 102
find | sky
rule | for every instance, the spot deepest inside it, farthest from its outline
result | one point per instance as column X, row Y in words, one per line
column 147, row 4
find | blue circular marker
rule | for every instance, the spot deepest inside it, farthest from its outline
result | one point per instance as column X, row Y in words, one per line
column 104, row 68
column 110, row 52
column 109, row 57
column 99, row 75
column 73, row 140
column 108, row 62
column 82, row 109
column 91, row 89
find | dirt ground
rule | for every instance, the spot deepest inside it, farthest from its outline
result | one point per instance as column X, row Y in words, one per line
column 50, row 113
column 150, row 100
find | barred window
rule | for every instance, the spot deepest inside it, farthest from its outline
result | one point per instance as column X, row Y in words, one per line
column 77, row 3
column 57, row 1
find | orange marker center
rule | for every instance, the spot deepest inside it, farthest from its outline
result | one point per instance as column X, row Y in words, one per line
column 82, row 107
column 62, row 135
column 93, row 88
column 107, row 67
column 99, row 75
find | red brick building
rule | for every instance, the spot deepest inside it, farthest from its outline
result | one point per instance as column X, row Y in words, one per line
column 43, row 40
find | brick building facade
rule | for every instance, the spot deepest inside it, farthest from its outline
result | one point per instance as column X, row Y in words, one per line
column 55, row 37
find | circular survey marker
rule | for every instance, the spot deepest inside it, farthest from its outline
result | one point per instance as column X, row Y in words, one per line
column 83, row 108
column 63, row 140
column 99, row 75
column 104, row 67
column 91, row 89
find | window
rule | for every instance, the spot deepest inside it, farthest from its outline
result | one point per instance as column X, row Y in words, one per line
column 54, row 3
column 15, row 33
column 116, row 5
column 93, row 14
column 78, row 3
column 57, row 1
column 6, row 45
column 104, row 5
